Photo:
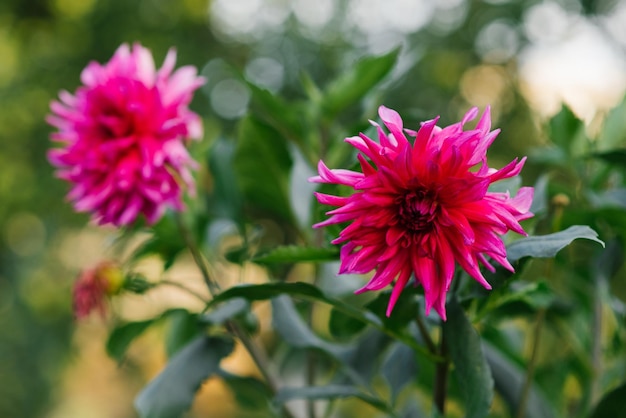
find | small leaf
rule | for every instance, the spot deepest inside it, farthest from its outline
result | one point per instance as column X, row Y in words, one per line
column 356, row 82
column 121, row 337
column 296, row 254
column 615, row 157
column 331, row 392
column 549, row 245
column 282, row 116
column 226, row 200
column 399, row 369
column 612, row 404
column 564, row 126
column 249, row 392
column 470, row 366
column 166, row 242
column 344, row 326
column 171, row 393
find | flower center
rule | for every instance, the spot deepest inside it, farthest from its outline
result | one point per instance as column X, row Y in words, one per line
column 417, row 210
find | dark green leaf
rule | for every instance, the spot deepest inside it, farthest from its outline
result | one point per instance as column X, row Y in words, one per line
column 356, row 82
column 296, row 254
column 283, row 117
column 182, row 327
column 564, row 126
column 226, row 198
column 121, row 337
column 509, row 380
column 166, row 242
column 331, row 392
column 615, row 157
column 171, row 393
column 404, row 311
column 344, row 326
column 612, row 404
column 249, row 392
column 399, row 369
column 262, row 164
column 549, row 245
column 470, row 367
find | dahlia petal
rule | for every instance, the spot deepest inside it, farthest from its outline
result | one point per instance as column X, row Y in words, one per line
column 405, row 275
column 327, row 199
column 393, row 122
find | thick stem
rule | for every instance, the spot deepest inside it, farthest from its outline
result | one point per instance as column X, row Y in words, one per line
column 425, row 335
column 530, row 371
column 441, row 376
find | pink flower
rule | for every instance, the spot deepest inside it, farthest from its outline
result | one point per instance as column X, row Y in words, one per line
column 123, row 136
column 93, row 286
column 420, row 208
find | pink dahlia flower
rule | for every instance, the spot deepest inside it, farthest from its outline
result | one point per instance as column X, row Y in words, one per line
column 123, row 136
column 421, row 207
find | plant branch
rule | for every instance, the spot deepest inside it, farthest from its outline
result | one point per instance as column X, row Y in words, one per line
column 425, row 335
column 184, row 288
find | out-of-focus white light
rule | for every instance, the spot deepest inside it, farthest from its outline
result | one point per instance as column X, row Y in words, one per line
column 497, row 42
column 266, row 72
column 314, row 13
column 229, row 99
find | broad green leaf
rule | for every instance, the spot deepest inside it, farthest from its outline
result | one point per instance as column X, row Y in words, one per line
column 549, row 245
column 356, row 82
column 399, row 368
column 404, row 311
column 615, row 198
column 250, row 392
column 296, row 254
column 121, row 337
column 171, row 393
column 262, row 164
column 332, row 392
column 509, row 380
column 470, row 366
column 615, row 157
column 613, row 132
column 612, row 404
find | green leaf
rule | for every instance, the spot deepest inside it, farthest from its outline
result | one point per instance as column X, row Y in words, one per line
column 165, row 242
column 404, row 311
column 549, row 245
column 183, row 326
column 612, row 404
column 121, row 337
column 470, row 366
column 399, row 369
column 344, row 326
column 250, row 392
column 226, row 199
column 356, row 82
column 564, row 127
column 171, row 393
column 225, row 312
column 282, row 116
column 297, row 254
column 296, row 332
column 331, row 392
column 509, row 380
column 615, row 157
column 262, row 164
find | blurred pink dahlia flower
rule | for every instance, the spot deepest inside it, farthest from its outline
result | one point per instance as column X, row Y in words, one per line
column 123, row 136
column 421, row 207
column 93, row 286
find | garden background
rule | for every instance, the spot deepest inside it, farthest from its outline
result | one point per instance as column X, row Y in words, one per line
column 525, row 58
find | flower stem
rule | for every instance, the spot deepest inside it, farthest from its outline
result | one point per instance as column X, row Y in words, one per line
column 184, row 288
column 256, row 352
column 441, row 375
column 530, row 371
column 425, row 335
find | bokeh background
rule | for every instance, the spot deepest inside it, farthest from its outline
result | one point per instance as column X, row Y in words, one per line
column 525, row 58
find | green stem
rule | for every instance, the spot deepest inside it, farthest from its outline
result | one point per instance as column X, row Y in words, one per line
column 425, row 335
column 530, row 371
column 441, row 375
column 184, row 288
